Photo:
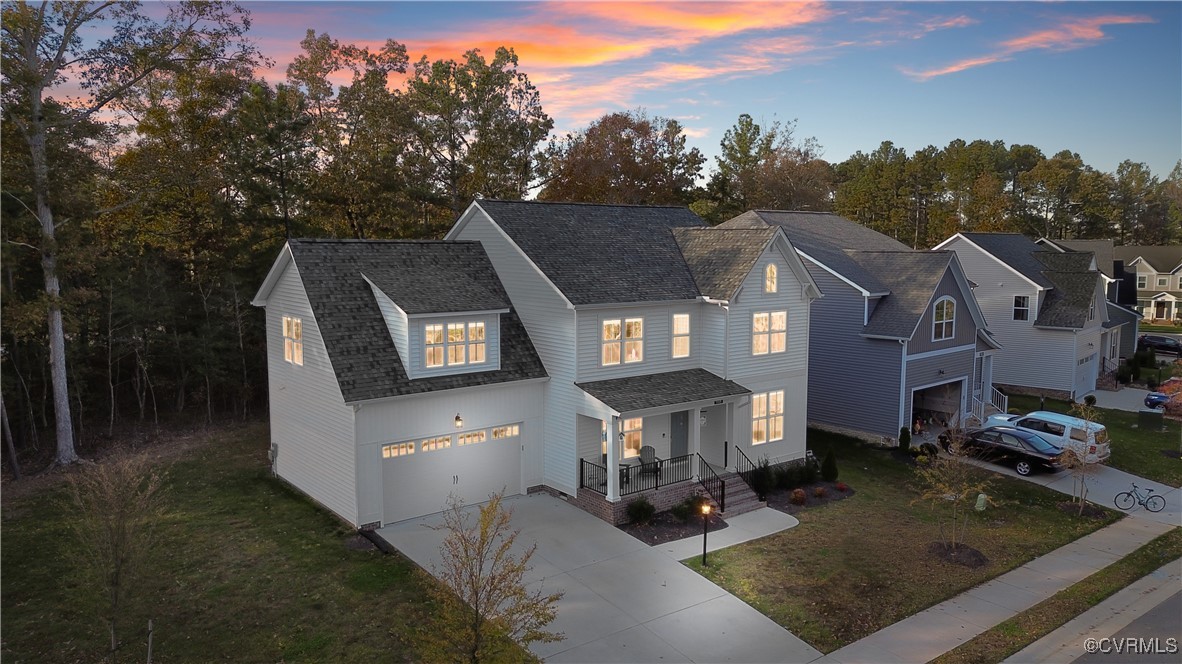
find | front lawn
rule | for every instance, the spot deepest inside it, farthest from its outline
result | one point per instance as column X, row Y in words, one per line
column 854, row 567
column 246, row 570
column 1134, row 450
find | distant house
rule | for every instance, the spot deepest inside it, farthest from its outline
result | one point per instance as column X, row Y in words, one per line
column 1119, row 287
column 1046, row 307
column 898, row 335
column 598, row 352
column 1157, row 272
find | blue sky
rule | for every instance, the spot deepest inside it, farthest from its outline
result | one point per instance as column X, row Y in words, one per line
column 1103, row 79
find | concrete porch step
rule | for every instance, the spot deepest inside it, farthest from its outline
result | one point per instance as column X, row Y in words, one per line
column 740, row 499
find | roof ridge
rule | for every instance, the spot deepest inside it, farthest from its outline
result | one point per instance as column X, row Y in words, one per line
column 796, row 211
column 346, row 240
column 586, row 204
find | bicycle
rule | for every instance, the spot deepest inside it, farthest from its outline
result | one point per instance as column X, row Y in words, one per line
column 1126, row 499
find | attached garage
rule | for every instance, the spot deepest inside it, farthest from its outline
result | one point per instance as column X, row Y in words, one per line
column 938, row 406
column 1086, row 370
column 418, row 476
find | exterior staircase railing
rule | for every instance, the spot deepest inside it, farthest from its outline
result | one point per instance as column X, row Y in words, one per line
column 999, row 400
column 714, row 485
column 744, row 466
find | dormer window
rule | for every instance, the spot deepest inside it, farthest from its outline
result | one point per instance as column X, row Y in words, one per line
column 944, row 319
column 463, row 344
column 769, row 278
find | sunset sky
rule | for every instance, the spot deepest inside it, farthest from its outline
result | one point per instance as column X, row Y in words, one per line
column 1103, row 79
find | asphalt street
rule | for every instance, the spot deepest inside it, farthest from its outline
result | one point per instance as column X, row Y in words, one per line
column 1162, row 623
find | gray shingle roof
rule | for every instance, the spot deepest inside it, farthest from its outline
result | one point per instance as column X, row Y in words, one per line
column 1118, row 315
column 662, row 389
column 826, row 237
column 363, row 356
column 912, row 277
column 720, row 259
column 1014, row 250
column 598, row 254
column 1163, row 259
column 435, row 277
column 1101, row 249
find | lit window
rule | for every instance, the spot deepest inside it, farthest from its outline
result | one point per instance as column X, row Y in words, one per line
column 633, row 436
column 633, row 340
column 944, row 320
column 472, row 437
column 293, row 344
column 397, row 450
column 456, row 348
column 769, row 279
column 433, row 336
column 611, row 342
column 681, row 335
column 432, row 444
column 1021, row 307
column 1142, row 281
column 507, row 431
column 769, row 332
column 767, row 417
column 476, row 342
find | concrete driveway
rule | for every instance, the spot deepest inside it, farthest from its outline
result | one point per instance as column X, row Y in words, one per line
column 1129, row 399
column 624, row 601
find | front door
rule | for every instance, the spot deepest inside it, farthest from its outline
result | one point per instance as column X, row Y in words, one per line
column 679, row 433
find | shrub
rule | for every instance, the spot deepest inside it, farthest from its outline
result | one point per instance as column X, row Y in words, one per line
column 1124, row 374
column 829, row 467
column 681, row 511
column 762, row 480
column 806, row 474
column 1150, row 382
column 1136, row 370
column 819, row 492
column 904, row 439
column 842, row 487
column 1090, row 400
column 640, row 511
column 798, row 497
column 785, row 477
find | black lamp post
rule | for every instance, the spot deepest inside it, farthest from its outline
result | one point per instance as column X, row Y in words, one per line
column 705, row 523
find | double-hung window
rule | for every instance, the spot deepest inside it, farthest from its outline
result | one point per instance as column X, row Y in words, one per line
column 633, row 436
column 681, row 335
column 293, row 344
column 944, row 319
column 1142, row 281
column 1021, row 307
column 770, row 284
column 769, row 332
column 767, row 417
column 1161, row 282
column 622, row 341
column 463, row 343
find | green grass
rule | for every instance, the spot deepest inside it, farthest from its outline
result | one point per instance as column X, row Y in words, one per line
column 1152, row 329
column 246, row 570
column 1009, row 637
column 1134, row 450
column 856, row 566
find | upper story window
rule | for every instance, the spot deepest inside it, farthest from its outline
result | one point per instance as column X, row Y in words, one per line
column 293, row 344
column 1092, row 309
column 1162, row 281
column 767, row 417
column 681, row 335
column 769, row 332
column 1142, row 281
column 632, row 343
column 1179, row 283
column 944, row 319
column 1021, row 307
column 769, row 279
column 463, row 344
column 633, row 436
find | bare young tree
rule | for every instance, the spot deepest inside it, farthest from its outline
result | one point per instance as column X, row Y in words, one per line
column 952, row 484
column 1076, row 457
column 483, row 599
column 117, row 505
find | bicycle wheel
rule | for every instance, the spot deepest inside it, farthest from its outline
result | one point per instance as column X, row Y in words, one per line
column 1155, row 503
column 1125, row 501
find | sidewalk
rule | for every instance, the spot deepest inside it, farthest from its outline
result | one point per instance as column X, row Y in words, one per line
column 934, row 631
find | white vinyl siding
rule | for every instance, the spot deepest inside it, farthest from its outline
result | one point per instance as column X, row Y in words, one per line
column 657, row 339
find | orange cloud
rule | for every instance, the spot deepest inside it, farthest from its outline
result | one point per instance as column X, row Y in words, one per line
column 1076, row 33
column 697, row 19
column 946, row 23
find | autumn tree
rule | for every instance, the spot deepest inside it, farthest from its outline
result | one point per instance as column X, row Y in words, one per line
column 622, row 158
column 483, row 599
column 952, row 484
column 109, row 48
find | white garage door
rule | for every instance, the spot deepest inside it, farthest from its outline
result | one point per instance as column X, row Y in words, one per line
column 1085, row 374
column 418, row 476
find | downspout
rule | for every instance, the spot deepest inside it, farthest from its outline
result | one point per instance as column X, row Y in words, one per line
column 904, row 395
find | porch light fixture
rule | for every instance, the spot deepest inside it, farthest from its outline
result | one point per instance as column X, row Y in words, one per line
column 459, row 421
column 702, row 420
column 705, row 523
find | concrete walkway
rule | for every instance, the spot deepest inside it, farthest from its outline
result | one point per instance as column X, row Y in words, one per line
column 625, row 601
column 934, row 631
column 1128, row 399
column 1107, row 619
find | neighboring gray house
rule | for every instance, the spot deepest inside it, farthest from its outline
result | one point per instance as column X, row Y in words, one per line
column 1112, row 272
column 541, row 346
column 898, row 334
column 1157, row 271
column 1046, row 307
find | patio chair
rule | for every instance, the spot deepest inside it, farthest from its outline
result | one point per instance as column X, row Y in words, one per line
column 650, row 464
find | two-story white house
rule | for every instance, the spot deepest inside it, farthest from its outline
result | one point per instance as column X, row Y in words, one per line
column 1046, row 308
column 599, row 352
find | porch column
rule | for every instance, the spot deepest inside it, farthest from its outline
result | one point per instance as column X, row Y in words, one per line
column 613, row 463
column 695, row 431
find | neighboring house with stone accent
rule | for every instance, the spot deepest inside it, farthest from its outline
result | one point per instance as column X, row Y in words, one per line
column 898, row 335
column 1046, row 307
column 540, row 346
column 1157, row 275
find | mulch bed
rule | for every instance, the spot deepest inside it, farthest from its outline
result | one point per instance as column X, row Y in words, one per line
column 961, row 555
column 1171, row 454
column 782, row 500
column 664, row 527
column 1090, row 511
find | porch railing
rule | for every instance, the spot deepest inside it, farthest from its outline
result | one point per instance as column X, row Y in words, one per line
column 645, row 476
column 744, row 466
column 713, row 484
column 979, row 410
column 999, row 400
column 592, row 476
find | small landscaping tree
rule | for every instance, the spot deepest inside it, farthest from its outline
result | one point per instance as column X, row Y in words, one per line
column 1076, row 457
column 117, row 504
column 483, row 599
column 951, row 484
column 829, row 467
column 904, row 439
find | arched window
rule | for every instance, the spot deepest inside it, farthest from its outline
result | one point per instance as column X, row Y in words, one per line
column 769, row 278
column 944, row 319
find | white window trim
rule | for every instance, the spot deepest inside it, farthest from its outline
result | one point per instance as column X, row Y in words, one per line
column 1162, row 282
column 293, row 340
column 605, row 343
column 771, row 333
column 767, row 417
column 771, row 279
column 1142, row 281
column 630, row 426
column 951, row 323
column 447, row 345
column 688, row 333
column 637, row 340
column 1024, row 308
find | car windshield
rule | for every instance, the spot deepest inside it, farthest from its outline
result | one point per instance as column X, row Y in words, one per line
column 1039, row 443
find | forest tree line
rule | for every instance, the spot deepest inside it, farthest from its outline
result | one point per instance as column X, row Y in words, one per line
column 141, row 214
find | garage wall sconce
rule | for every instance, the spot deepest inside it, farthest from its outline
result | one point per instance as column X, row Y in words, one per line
column 459, row 421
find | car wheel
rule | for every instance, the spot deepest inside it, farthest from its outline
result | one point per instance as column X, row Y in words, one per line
column 1023, row 468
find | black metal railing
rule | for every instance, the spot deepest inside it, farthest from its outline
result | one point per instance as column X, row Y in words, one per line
column 593, row 476
column 655, row 474
column 744, row 466
column 713, row 484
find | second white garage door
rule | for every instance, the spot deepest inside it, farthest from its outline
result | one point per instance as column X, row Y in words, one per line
column 418, row 476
